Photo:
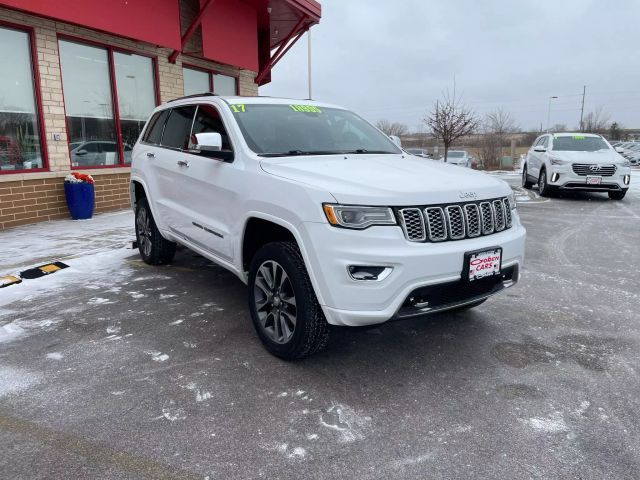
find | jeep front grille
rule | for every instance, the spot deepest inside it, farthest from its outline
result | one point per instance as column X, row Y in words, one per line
column 439, row 223
column 583, row 169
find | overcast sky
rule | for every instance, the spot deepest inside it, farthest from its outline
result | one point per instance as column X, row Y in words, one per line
column 393, row 59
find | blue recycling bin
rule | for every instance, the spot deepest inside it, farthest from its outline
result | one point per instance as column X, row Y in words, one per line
column 80, row 200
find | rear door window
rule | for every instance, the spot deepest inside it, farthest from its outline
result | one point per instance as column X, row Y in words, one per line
column 178, row 127
column 153, row 133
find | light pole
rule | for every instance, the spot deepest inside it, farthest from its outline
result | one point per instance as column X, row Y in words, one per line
column 549, row 113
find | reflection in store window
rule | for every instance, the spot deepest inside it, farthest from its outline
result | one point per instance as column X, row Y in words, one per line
column 136, row 97
column 224, row 85
column 88, row 105
column 19, row 138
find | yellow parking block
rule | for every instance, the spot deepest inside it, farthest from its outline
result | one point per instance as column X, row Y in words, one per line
column 9, row 280
column 49, row 268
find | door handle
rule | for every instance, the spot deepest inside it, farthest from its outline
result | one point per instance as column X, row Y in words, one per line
column 151, row 155
column 183, row 163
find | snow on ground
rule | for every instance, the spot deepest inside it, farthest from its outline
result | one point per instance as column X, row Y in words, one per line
column 34, row 244
column 96, row 251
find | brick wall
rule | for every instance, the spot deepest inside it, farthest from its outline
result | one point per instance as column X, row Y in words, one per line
column 32, row 197
column 36, row 200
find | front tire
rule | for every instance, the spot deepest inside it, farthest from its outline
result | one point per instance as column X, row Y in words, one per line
column 619, row 195
column 154, row 248
column 525, row 179
column 543, row 186
column 283, row 305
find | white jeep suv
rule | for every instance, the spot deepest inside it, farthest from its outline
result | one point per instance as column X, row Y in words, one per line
column 576, row 161
column 320, row 213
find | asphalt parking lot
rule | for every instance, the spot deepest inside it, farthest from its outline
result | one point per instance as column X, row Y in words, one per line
column 132, row 371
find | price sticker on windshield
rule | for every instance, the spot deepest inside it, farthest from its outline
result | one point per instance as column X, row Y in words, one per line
column 305, row 108
column 578, row 137
column 238, row 108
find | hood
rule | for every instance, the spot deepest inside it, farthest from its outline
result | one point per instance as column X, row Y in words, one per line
column 390, row 180
column 601, row 156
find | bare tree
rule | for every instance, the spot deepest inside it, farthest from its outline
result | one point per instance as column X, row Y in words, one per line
column 596, row 121
column 559, row 127
column 616, row 131
column 450, row 120
column 500, row 122
column 395, row 128
column 497, row 127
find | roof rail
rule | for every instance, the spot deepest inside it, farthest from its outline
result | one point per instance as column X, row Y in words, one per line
column 204, row 94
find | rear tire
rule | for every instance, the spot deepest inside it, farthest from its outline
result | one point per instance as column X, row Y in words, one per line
column 283, row 305
column 617, row 195
column 525, row 179
column 154, row 248
column 543, row 186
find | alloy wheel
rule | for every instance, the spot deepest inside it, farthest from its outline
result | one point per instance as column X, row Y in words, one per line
column 143, row 226
column 275, row 302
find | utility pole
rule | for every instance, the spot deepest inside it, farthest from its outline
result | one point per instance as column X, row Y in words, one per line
column 309, row 59
column 549, row 113
column 584, row 91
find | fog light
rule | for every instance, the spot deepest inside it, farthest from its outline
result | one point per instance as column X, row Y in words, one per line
column 627, row 179
column 555, row 176
column 368, row 273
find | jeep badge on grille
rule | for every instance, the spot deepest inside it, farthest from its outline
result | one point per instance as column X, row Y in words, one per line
column 468, row 195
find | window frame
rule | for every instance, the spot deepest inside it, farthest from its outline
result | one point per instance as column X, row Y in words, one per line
column 37, row 96
column 211, row 72
column 110, row 49
column 195, row 114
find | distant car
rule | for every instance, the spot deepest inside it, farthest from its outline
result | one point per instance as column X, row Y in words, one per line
column 576, row 161
column 458, row 157
column 419, row 152
column 97, row 152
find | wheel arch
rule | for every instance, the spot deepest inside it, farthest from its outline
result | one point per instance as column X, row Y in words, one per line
column 274, row 229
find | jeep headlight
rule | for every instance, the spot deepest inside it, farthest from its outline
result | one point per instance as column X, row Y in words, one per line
column 358, row 217
column 512, row 200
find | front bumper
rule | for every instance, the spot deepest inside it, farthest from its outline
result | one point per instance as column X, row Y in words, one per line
column 564, row 178
column 346, row 301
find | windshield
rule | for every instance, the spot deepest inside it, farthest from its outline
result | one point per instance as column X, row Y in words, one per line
column 579, row 143
column 283, row 130
column 455, row 154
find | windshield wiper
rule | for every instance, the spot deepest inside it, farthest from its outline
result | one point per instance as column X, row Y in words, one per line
column 297, row 153
column 364, row 150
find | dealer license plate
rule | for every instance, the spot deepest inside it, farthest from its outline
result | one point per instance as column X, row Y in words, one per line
column 593, row 180
column 484, row 264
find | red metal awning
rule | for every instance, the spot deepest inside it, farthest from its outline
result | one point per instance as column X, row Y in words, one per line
column 249, row 34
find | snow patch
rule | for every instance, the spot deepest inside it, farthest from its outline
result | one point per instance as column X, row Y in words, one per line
column 10, row 332
column 54, row 356
column 349, row 424
column 172, row 414
column 158, row 356
column 98, row 301
column 176, row 322
column 553, row 424
column 16, row 380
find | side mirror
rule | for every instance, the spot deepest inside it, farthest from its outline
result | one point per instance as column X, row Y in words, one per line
column 539, row 148
column 619, row 149
column 208, row 142
column 81, row 152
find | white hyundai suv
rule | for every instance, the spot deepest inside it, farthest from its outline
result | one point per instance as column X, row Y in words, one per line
column 576, row 161
column 321, row 214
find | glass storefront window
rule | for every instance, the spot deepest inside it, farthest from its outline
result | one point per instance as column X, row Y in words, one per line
column 195, row 81
column 88, row 103
column 198, row 81
column 136, row 96
column 224, row 85
column 20, row 147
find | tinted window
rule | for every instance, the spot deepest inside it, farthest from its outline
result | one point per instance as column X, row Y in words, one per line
column 108, row 147
column 176, row 132
column 153, row 134
column 579, row 143
column 208, row 120
column 90, row 147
